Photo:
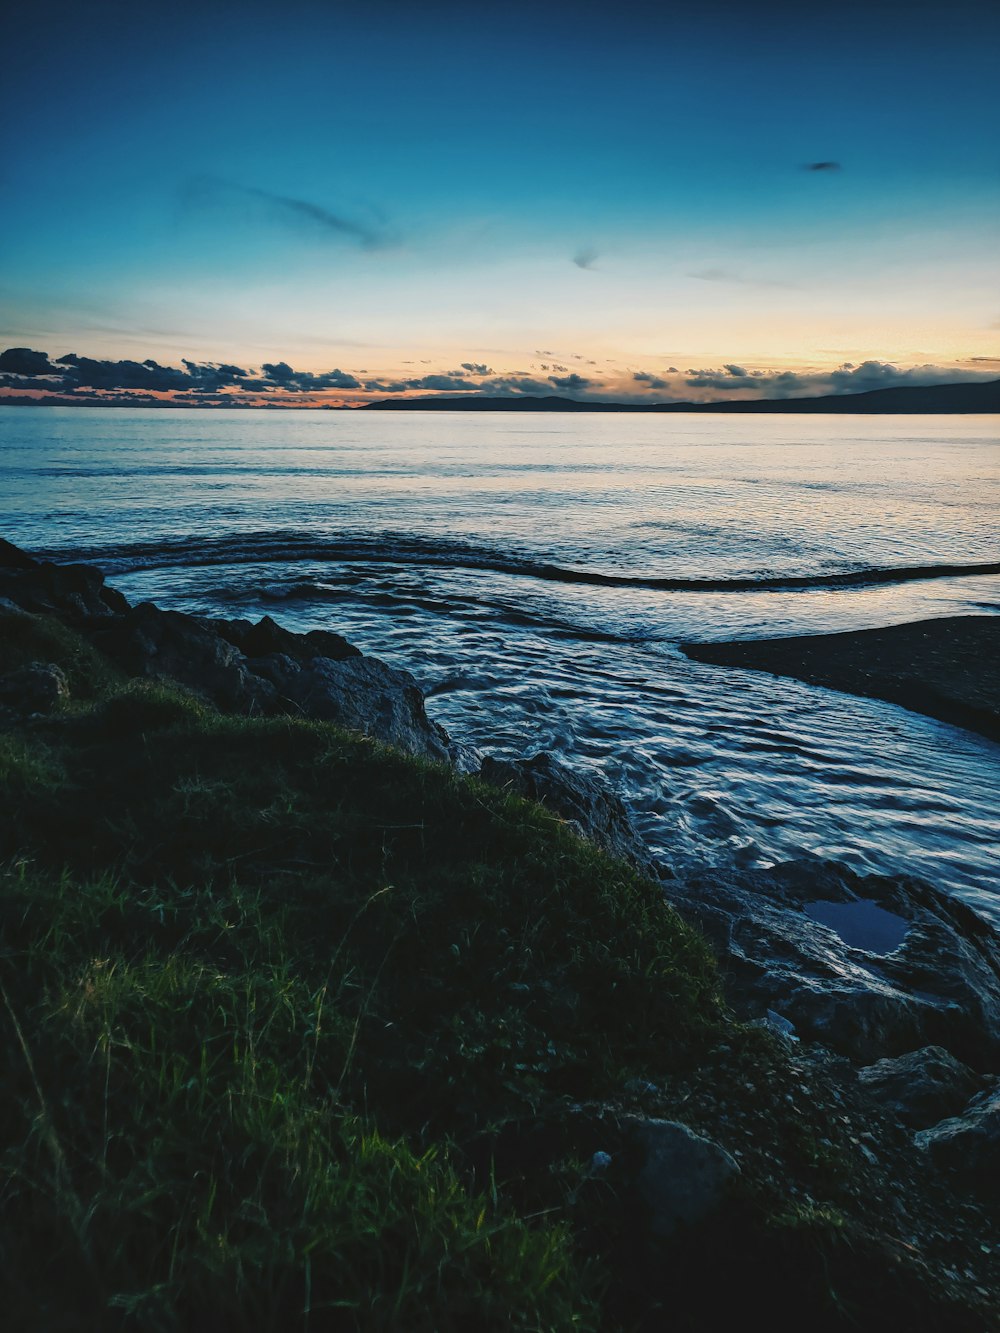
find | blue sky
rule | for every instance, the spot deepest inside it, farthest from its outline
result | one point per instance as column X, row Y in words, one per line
column 393, row 190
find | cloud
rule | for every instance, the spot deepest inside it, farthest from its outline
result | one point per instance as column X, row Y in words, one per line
column 586, row 258
column 204, row 193
column 76, row 374
column 716, row 275
column 23, row 361
column 476, row 369
column 775, row 384
column 509, row 385
column 822, row 166
column 847, row 378
column 440, row 383
column 573, row 383
column 282, row 376
column 730, row 275
column 650, row 380
column 84, row 372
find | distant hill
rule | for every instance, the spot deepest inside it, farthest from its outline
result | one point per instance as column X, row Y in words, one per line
column 907, row 398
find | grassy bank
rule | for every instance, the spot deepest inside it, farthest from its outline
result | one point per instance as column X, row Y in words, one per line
column 301, row 1033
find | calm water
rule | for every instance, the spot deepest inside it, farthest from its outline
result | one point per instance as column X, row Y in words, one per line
column 451, row 545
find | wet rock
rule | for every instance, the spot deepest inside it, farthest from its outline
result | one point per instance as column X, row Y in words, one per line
column 869, row 966
column 71, row 591
column 38, row 687
column 361, row 694
column 239, row 666
column 267, row 638
column 12, row 557
column 921, row 1088
column 969, row 1144
column 682, row 1178
column 170, row 645
column 584, row 800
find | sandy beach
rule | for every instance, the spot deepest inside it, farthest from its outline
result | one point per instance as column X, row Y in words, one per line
column 944, row 668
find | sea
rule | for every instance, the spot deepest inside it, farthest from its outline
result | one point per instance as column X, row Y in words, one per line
column 537, row 572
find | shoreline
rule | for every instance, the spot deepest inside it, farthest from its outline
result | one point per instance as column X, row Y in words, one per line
column 794, row 1067
column 944, row 668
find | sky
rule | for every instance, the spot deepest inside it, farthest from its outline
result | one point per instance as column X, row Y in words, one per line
column 322, row 203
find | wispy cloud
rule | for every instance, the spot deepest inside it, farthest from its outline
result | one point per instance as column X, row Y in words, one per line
column 728, row 275
column 211, row 193
column 822, row 166
column 586, row 259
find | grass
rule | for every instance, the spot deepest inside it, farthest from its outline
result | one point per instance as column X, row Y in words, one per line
column 271, row 982
column 301, row 1033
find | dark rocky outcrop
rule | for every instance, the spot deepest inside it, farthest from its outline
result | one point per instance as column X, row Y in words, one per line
column 267, row 637
column 360, row 693
column 238, row 666
column 38, row 687
column 921, row 1088
column 930, row 666
column 585, row 801
column 969, row 1144
column 868, row 966
column 682, row 1178
column 170, row 645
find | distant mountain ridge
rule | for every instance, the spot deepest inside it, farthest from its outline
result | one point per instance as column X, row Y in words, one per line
column 905, row 398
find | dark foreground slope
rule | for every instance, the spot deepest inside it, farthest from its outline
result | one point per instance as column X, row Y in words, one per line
column 945, row 668
column 301, row 1032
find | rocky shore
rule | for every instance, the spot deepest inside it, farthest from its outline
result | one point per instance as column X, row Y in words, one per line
column 877, row 999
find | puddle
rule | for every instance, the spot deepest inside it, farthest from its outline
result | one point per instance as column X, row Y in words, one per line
column 861, row 924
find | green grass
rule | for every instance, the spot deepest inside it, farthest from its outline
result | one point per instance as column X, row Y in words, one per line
column 26, row 639
column 271, row 985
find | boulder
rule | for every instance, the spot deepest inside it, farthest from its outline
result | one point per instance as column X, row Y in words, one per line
column 361, row 694
column 74, row 592
column 237, row 665
column 38, row 687
column 870, row 966
column 969, row 1144
column 682, row 1177
column 922, row 1087
column 170, row 645
column 583, row 800
column 267, row 638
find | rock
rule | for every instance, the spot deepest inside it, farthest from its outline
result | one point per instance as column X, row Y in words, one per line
column 12, row 557
column 146, row 641
column 869, row 966
column 969, row 1144
column 239, row 666
column 585, row 801
column 361, row 694
column 921, row 1088
column 267, row 638
column 72, row 591
column 38, row 687
column 683, row 1177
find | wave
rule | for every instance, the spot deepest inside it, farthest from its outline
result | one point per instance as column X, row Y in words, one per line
column 267, row 548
